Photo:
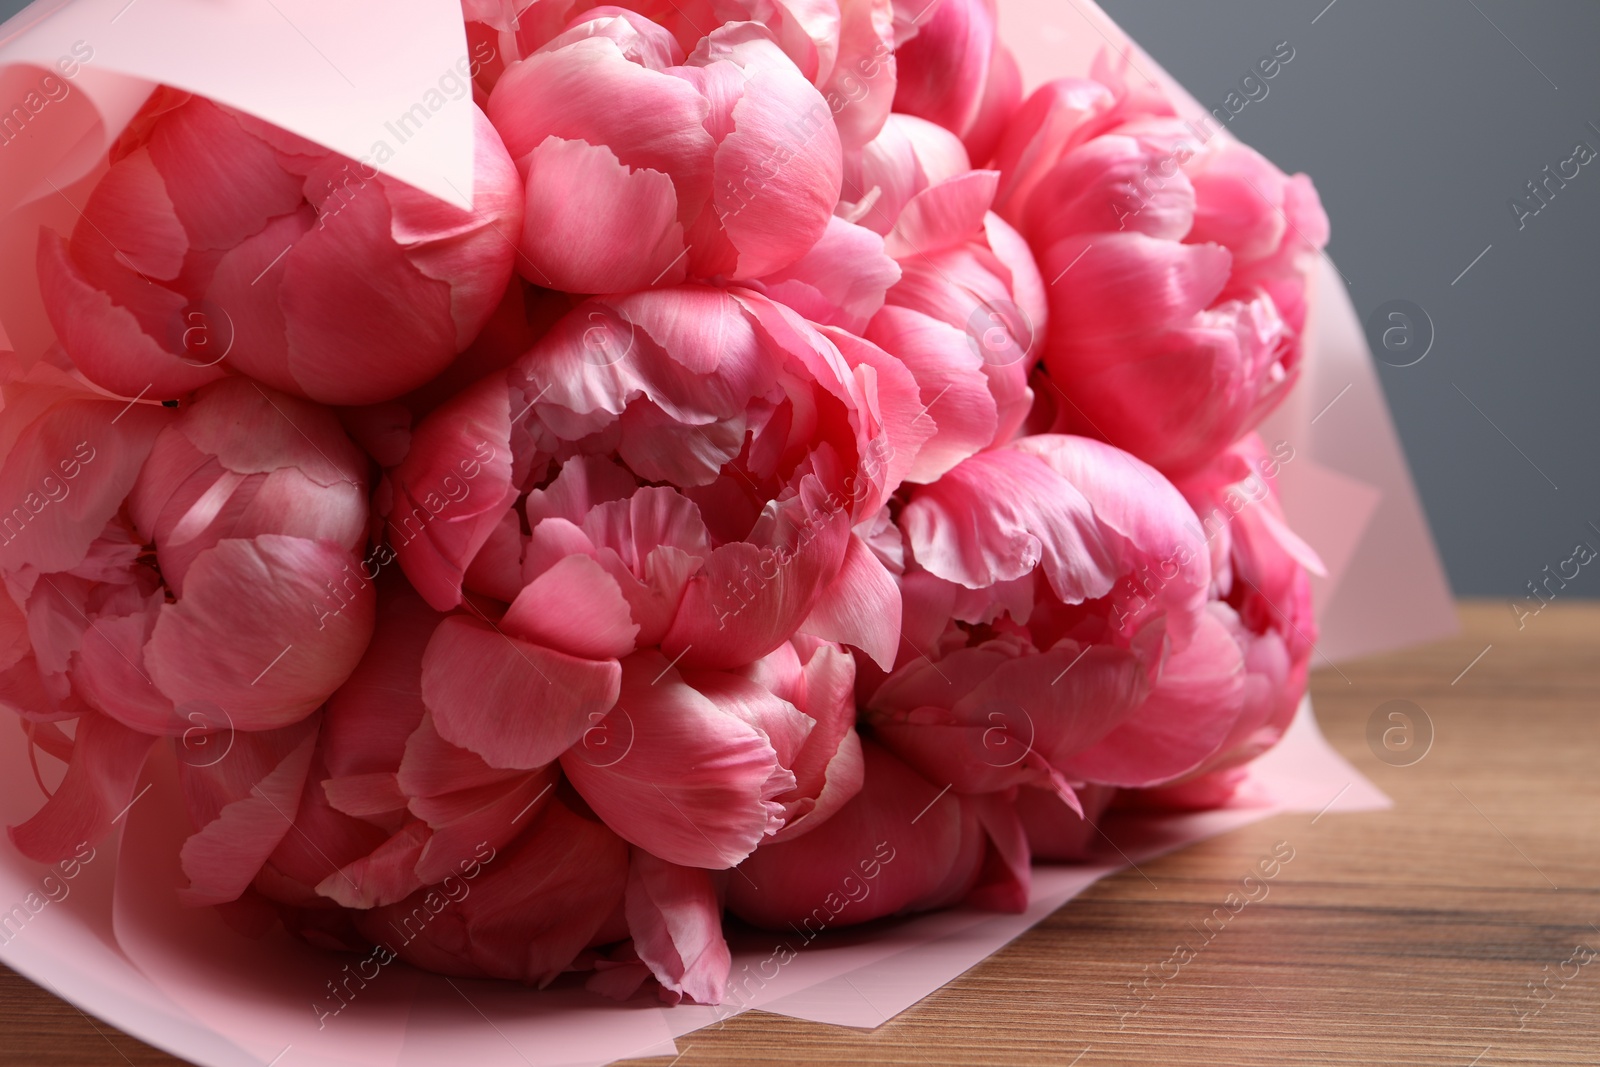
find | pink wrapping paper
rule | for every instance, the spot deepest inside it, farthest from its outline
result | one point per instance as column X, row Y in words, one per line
column 123, row 949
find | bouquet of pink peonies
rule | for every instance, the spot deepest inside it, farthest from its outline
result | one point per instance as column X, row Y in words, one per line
column 808, row 483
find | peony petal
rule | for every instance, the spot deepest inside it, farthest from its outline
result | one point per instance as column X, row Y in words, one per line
column 584, row 483
column 129, row 225
column 1117, row 183
column 942, row 215
column 650, row 119
column 244, row 283
column 1129, row 284
column 65, row 474
column 998, row 515
column 364, row 795
column 860, row 607
column 860, row 89
column 675, row 917
column 201, row 484
column 574, row 607
column 1178, row 397
column 1186, row 717
column 496, row 570
column 828, row 771
column 747, row 600
column 471, row 250
column 514, row 703
column 651, row 518
column 367, row 724
column 1055, row 831
column 363, row 323
column 777, row 175
column 249, row 636
column 1238, row 196
column 907, row 156
column 1147, row 523
column 1002, row 96
column 952, row 377
column 383, row 876
column 786, row 727
column 840, row 282
column 464, row 821
column 224, row 182
column 324, row 843
column 1027, row 286
column 1048, row 122
column 1024, row 712
column 1007, row 875
column 432, row 767
column 224, row 857
column 694, row 784
column 98, row 789
column 251, row 430
column 651, row 544
column 452, row 490
column 111, row 674
column 1071, row 696
column 591, row 225
column 894, row 427
column 945, row 66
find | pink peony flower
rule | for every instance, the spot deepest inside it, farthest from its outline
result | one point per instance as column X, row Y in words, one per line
column 1177, row 268
column 954, row 71
column 747, row 445
column 239, row 621
column 691, row 571
column 1056, row 584
column 217, row 243
column 845, row 48
column 1238, row 684
column 241, row 459
column 1087, row 520
column 656, row 168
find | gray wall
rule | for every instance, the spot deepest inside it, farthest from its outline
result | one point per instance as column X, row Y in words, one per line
column 1419, row 120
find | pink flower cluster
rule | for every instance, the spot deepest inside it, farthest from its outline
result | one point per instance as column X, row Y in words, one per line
column 808, row 484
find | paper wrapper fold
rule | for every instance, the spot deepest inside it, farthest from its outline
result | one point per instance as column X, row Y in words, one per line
column 121, row 947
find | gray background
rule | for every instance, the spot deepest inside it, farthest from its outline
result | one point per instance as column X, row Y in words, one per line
column 1419, row 119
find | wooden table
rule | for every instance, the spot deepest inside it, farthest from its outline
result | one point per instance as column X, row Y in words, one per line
column 1405, row 937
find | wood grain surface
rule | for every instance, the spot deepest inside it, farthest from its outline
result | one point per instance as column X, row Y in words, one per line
column 1455, row 930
